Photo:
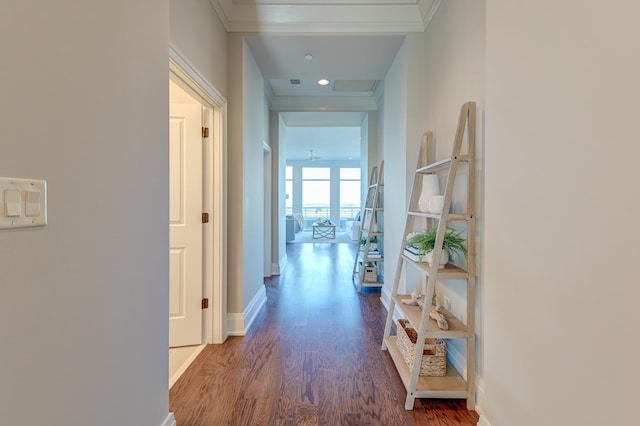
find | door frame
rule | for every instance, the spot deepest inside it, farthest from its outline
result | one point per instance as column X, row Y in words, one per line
column 183, row 73
column 268, row 262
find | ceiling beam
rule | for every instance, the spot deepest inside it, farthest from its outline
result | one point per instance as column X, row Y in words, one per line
column 323, row 103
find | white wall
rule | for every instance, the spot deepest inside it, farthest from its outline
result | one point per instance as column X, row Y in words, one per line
column 454, row 73
column 395, row 156
column 277, row 132
column 235, row 175
column 254, row 134
column 364, row 159
column 372, row 139
column 84, row 300
column 197, row 32
column 402, row 131
column 561, row 311
column 246, row 172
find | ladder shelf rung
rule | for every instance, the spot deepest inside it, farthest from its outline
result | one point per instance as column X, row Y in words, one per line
column 373, row 234
column 457, row 329
column 372, row 285
column 449, row 271
column 452, row 216
column 450, row 386
column 440, row 165
column 362, row 256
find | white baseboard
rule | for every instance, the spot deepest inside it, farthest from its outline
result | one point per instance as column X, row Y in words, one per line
column 235, row 324
column 284, row 261
column 278, row 268
column 482, row 421
column 169, row 421
column 252, row 309
column 238, row 324
column 457, row 359
column 174, row 378
column 480, row 402
column 459, row 362
column 385, row 297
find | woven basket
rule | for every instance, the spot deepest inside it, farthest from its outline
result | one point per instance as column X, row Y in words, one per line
column 370, row 273
column 434, row 358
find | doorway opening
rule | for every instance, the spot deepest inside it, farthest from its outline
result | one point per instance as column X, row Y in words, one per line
column 189, row 87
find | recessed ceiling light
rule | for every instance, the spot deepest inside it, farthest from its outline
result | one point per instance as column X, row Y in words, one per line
column 323, row 82
column 308, row 57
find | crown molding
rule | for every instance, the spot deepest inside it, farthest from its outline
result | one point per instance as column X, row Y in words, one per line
column 430, row 13
column 257, row 3
column 323, row 104
column 325, row 16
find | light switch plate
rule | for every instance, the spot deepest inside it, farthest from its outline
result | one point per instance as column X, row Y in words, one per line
column 28, row 190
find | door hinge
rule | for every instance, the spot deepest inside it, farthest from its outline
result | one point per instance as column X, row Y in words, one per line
column 205, row 217
column 205, row 303
column 205, row 132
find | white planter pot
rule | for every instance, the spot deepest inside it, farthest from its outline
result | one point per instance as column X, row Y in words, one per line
column 444, row 258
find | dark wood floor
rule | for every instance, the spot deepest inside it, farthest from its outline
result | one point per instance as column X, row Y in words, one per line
column 311, row 357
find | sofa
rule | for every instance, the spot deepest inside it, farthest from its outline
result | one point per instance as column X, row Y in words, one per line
column 295, row 224
column 352, row 228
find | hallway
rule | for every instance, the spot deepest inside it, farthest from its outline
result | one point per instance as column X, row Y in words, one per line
column 311, row 357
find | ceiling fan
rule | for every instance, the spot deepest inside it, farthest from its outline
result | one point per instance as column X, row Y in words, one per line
column 313, row 157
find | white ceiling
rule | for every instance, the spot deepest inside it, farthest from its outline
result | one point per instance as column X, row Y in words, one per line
column 346, row 61
column 353, row 44
column 327, row 143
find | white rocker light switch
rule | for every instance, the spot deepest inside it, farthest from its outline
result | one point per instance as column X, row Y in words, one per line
column 32, row 208
column 12, row 203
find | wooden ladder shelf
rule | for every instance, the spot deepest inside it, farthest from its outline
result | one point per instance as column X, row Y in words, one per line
column 453, row 384
column 367, row 259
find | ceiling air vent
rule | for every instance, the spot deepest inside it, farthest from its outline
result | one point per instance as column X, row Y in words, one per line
column 294, row 81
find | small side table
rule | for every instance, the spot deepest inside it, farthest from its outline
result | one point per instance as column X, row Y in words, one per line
column 324, row 230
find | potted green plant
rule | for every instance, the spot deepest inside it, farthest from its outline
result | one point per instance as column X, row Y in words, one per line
column 424, row 242
column 372, row 240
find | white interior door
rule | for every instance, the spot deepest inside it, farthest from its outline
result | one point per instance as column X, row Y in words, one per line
column 185, row 225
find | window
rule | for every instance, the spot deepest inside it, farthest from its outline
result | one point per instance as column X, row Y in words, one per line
column 316, row 192
column 323, row 192
column 350, row 193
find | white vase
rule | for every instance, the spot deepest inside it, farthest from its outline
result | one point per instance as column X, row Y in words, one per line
column 444, row 258
column 436, row 203
column 430, row 187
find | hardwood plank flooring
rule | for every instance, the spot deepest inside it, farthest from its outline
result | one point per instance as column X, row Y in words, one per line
column 312, row 357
